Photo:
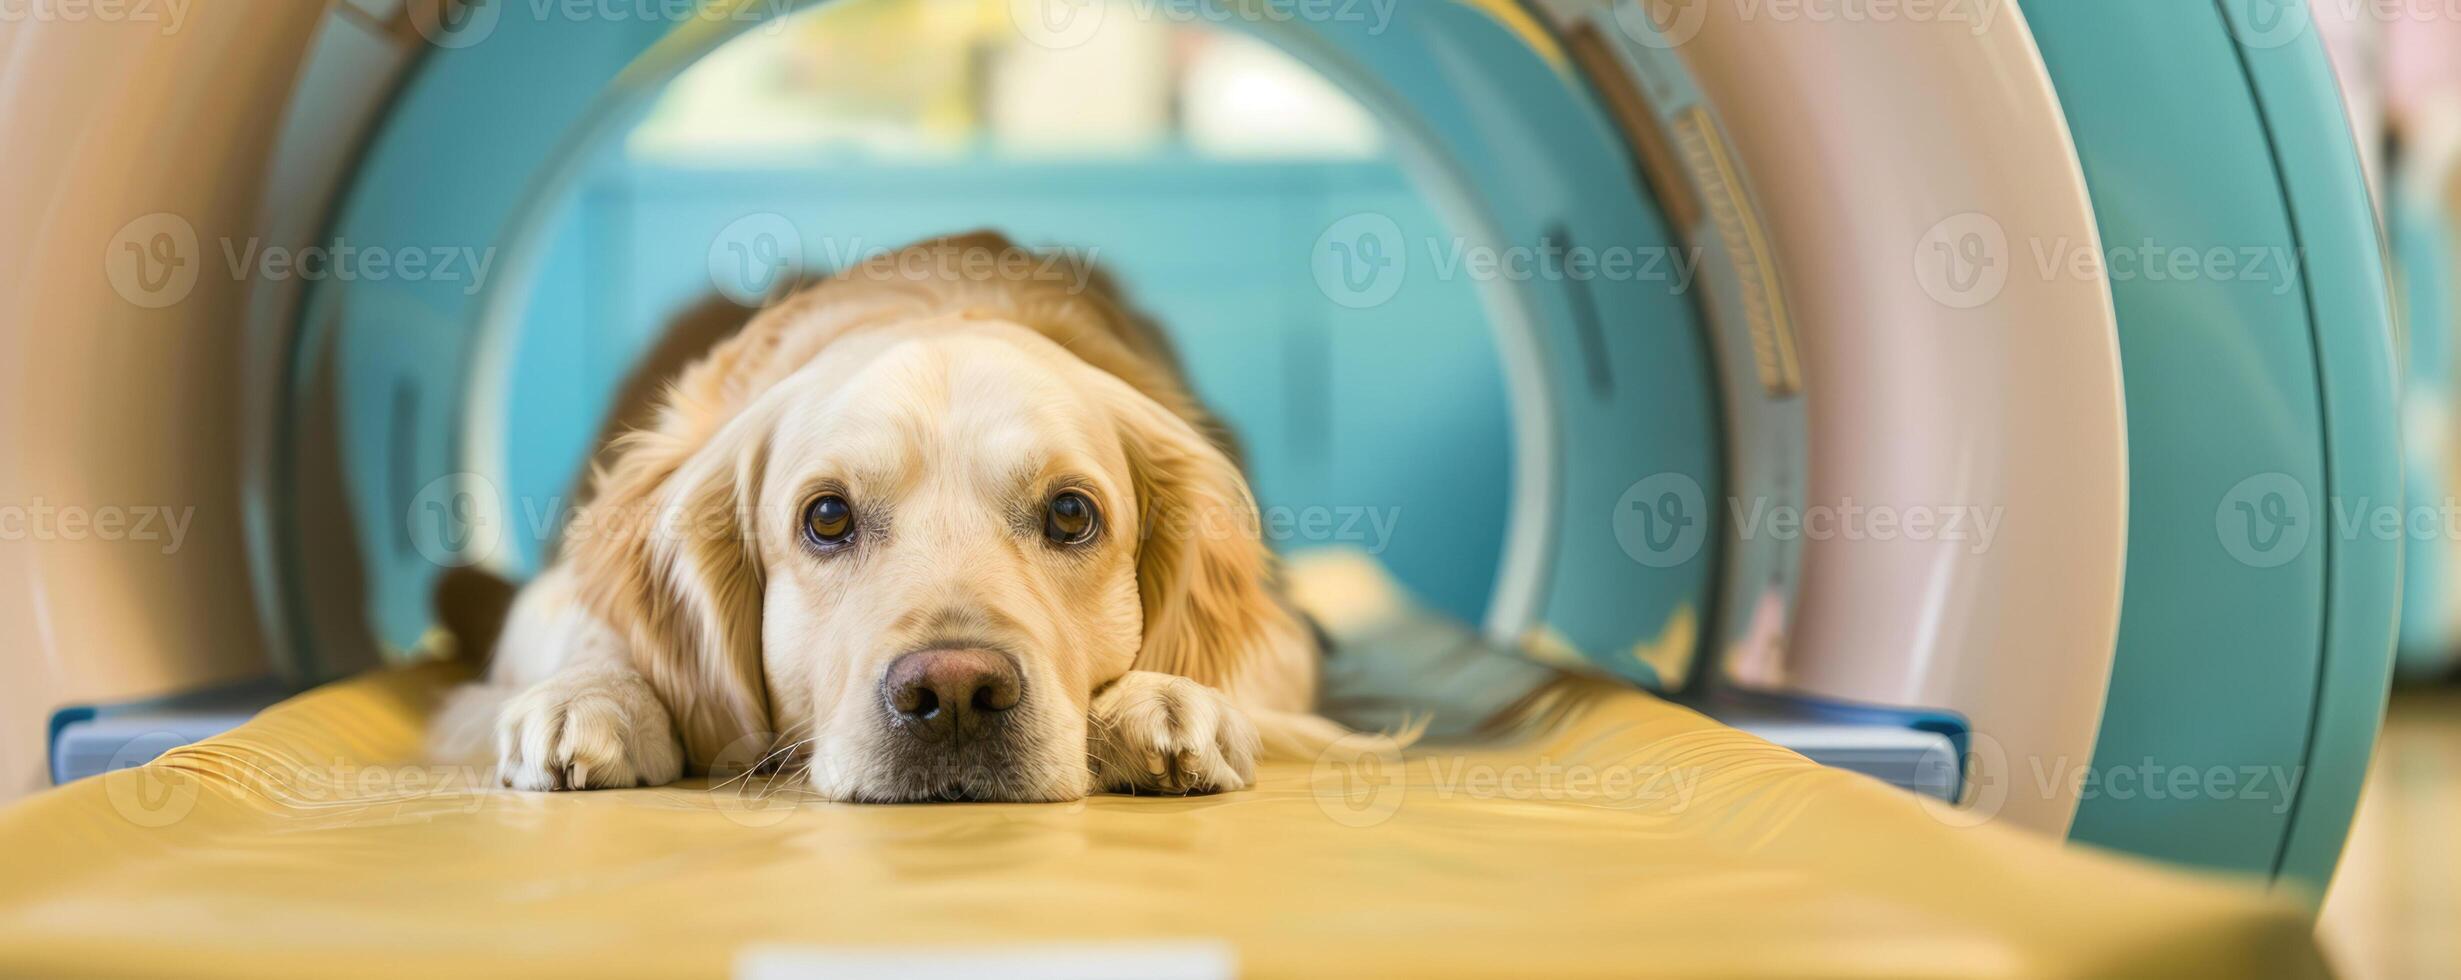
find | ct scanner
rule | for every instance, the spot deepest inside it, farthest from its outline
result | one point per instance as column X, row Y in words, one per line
column 1890, row 315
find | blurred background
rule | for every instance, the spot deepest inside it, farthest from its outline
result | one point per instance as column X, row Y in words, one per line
column 1204, row 170
column 874, row 122
column 2391, row 906
column 808, row 144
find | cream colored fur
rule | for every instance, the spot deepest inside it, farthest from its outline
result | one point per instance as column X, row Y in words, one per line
column 688, row 627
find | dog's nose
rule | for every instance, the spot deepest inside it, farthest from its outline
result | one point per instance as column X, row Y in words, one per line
column 944, row 692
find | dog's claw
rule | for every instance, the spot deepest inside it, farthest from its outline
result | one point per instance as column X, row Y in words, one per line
column 1161, row 733
column 599, row 735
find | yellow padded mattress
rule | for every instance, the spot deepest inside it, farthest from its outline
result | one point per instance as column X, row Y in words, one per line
column 1634, row 837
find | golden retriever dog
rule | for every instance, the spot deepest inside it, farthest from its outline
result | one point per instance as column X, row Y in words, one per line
column 945, row 526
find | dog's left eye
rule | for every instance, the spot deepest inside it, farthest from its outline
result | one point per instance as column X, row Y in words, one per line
column 1070, row 518
column 828, row 520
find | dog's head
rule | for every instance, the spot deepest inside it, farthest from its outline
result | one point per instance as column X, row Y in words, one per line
column 908, row 564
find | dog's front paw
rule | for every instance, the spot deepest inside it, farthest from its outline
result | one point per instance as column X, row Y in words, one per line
column 603, row 731
column 1162, row 733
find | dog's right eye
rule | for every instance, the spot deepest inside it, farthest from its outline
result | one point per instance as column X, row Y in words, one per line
column 829, row 521
column 1070, row 518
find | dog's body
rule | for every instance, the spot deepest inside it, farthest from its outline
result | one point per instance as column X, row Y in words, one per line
column 926, row 531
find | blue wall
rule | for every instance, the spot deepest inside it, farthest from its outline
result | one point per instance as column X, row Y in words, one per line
column 1394, row 413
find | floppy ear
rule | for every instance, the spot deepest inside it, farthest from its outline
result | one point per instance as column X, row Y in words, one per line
column 672, row 562
column 1213, row 612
